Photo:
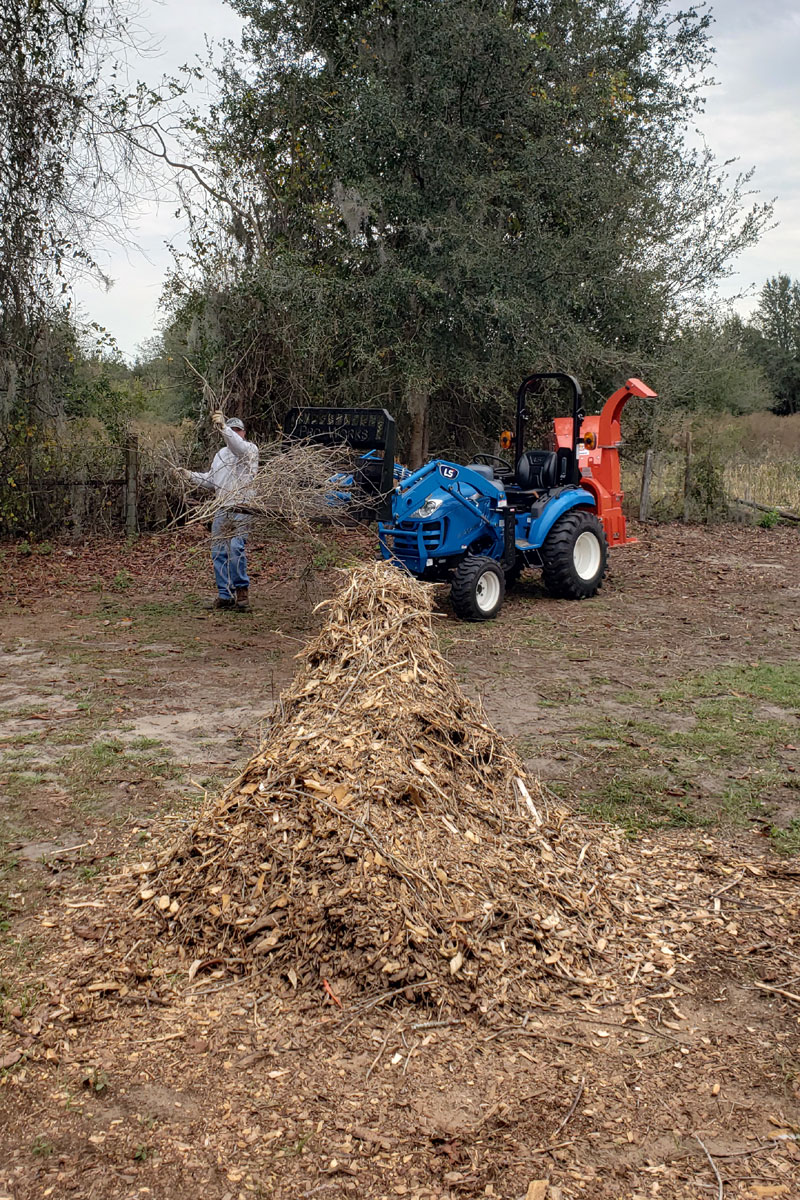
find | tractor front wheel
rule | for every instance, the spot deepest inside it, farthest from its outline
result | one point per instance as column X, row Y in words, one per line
column 575, row 556
column 478, row 589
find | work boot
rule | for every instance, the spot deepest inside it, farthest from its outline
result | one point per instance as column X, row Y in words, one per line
column 224, row 602
column 242, row 600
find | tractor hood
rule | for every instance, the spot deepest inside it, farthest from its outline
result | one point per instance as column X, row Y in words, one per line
column 438, row 483
column 439, row 511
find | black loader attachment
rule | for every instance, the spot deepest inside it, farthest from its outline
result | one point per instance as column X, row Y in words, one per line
column 365, row 485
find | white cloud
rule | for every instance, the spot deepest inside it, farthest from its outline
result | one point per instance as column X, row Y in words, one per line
column 754, row 115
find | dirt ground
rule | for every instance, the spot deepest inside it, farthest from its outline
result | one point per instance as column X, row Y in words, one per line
column 669, row 705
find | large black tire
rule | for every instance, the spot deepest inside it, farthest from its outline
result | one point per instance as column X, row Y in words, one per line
column 575, row 556
column 478, row 589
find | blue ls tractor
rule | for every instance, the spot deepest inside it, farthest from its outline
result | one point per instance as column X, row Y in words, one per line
column 480, row 525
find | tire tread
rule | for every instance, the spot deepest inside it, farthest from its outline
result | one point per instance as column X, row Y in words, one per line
column 462, row 588
column 557, row 563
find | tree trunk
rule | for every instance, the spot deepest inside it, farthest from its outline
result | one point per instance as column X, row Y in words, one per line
column 783, row 513
column 417, row 404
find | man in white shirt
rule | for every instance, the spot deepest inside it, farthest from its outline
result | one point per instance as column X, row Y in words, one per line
column 230, row 476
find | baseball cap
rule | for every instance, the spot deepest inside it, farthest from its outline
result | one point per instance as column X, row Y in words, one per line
column 235, row 423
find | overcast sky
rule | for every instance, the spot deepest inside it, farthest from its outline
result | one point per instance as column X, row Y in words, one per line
column 753, row 115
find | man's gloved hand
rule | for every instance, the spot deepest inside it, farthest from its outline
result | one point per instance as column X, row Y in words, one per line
column 218, row 418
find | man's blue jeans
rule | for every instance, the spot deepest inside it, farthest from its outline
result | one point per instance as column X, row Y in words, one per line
column 228, row 536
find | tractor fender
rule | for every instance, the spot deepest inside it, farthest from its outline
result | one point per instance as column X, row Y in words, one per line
column 555, row 508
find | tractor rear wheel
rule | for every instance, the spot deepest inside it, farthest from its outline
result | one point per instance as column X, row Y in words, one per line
column 479, row 587
column 575, row 556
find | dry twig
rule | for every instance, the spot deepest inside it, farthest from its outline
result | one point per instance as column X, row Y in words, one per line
column 572, row 1108
column 713, row 1165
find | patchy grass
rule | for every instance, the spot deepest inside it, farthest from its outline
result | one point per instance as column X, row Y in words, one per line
column 705, row 750
column 18, row 783
column 777, row 683
column 787, row 840
column 8, row 868
column 638, row 801
column 91, row 769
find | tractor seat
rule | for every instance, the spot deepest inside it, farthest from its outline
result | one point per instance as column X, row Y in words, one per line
column 537, row 470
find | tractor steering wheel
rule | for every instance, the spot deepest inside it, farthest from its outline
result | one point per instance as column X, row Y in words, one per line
column 490, row 460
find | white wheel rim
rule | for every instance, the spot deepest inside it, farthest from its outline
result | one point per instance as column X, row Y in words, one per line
column 487, row 591
column 586, row 555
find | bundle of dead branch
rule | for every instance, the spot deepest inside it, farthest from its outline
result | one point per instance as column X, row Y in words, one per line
column 385, row 836
column 296, row 484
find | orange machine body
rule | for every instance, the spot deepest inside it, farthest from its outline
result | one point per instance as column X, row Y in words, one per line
column 598, row 457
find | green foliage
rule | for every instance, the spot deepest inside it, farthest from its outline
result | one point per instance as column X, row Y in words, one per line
column 769, row 520
column 707, row 369
column 121, row 581
column 707, row 489
column 70, row 149
column 427, row 200
column 114, row 403
column 96, row 1080
column 773, row 340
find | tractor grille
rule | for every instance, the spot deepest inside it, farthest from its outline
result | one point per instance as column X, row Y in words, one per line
column 405, row 536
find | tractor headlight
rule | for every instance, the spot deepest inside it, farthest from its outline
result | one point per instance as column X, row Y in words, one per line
column 428, row 508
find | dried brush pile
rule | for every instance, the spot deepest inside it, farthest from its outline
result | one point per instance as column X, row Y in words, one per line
column 384, row 835
column 297, row 484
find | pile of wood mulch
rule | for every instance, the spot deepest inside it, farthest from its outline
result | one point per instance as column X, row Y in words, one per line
column 385, row 838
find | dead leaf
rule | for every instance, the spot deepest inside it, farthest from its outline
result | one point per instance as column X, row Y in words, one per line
column 366, row 1135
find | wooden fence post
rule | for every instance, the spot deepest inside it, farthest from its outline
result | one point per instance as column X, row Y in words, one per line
column 77, row 503
column 644, row 495
column 687, row 476
column 131, row 485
